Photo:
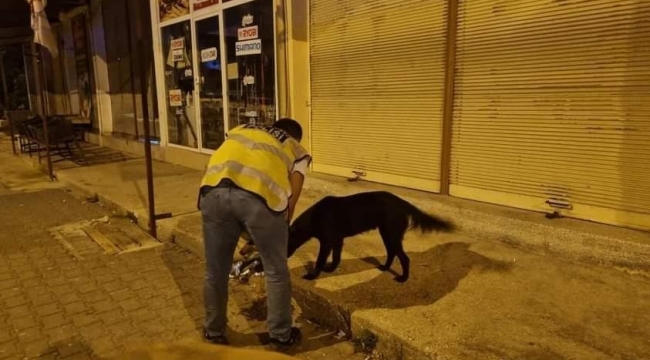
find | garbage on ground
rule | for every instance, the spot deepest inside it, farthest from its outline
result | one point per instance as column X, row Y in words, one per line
column 243, row 270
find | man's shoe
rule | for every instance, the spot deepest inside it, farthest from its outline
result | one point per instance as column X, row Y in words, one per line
column 294, row 338
column 216, row 340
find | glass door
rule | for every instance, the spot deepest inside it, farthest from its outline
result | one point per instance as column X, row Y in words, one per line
column 209, row 82
column 250, row 56
column 179, row 84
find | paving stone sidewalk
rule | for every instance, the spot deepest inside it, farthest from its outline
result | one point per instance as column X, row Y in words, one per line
column 55, row 306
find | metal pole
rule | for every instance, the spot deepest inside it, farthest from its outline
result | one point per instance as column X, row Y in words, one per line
column 50, row 172
column 6, row 93
column 67, row 102
column 145, row 120
column 448, row 107
column 29, row 90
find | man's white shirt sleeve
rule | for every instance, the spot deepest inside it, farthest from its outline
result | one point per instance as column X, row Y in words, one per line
column 301, row 166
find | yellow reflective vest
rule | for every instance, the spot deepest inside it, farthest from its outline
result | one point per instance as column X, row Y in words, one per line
column 258, row 159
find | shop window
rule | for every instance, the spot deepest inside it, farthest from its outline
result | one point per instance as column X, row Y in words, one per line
column 16, row 74
column 179, row 84
column 210, row 82
column 83, row 69
column 124, row 71
column 250, row 49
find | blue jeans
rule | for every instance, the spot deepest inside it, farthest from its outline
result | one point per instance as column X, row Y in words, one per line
column 226, row 213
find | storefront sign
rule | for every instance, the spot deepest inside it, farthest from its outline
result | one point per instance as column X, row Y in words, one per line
column 177, row 48
column 249, row 80
column 177, row 54
column 250, row 47
column 247, row 33
column 178, row 43
column 247, row 20
column 209, row 54
column 200, row 4
column 175, row 98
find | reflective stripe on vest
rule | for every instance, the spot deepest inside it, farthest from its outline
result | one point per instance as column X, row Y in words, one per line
column 236, row 167
column 264, row 147
column 258, row 159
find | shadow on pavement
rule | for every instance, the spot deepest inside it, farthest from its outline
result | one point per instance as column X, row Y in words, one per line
column 199, row 351
column 93, row 155
column 189, row 280
column 68, row 348
column 434, row 274
column 188, row 277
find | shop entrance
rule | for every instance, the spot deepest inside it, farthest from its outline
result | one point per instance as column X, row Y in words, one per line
column 219, row 70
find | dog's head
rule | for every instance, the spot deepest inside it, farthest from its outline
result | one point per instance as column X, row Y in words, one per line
column 300, row 232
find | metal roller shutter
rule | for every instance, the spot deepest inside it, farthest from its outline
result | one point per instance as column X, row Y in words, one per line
column 552, row 107
column 377, row 77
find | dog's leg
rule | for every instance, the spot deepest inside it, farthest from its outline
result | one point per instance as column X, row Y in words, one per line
column 392, row 233
column 405, row 262
column 323, row 254
column 336, row 256
column 389, row 261
column 390, row 248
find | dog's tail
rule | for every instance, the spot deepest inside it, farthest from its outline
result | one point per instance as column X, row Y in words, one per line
column 425, row 222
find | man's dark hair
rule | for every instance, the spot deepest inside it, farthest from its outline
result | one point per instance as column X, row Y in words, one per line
column 291, row 127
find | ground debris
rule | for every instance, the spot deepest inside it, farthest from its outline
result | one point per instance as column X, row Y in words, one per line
column 257, row 311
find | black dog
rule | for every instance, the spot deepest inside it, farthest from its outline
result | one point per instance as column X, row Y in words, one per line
column 332, row 219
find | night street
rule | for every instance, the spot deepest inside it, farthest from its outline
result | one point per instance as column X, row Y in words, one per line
column 56, row 306
column 421, row 180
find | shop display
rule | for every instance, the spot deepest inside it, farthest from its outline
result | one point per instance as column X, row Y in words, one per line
column 179, row 78
column 250, row 47
column 170, row 9
column 219, row 69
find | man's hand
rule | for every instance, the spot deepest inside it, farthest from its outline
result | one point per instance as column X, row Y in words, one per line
column 296, row 179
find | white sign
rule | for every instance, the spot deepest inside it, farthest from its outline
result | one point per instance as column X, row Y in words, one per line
column 175, row 98
column 209, row 54
column 250, row 47
column 246, row 20
column 247, row 33
column 178, row 43
column 249, row 80
column 177, row 54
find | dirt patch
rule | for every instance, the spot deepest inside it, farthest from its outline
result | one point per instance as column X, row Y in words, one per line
column 257, row 311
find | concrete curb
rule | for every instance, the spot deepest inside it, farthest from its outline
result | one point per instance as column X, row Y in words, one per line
column 573, row 245
column 313, row 305
column 625, row 249
column 83, row 193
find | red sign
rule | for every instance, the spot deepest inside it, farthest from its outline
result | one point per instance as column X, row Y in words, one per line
column 177, row 44
column 247, row 33
column 175, row 98
column 200, row 4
